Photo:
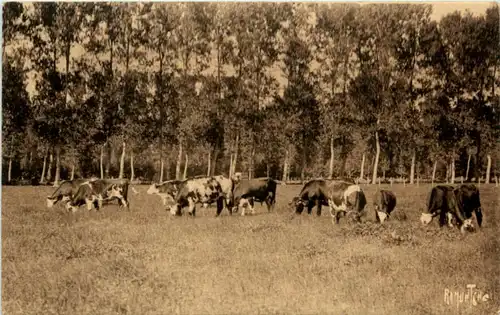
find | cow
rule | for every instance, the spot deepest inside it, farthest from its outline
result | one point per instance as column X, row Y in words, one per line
column 345, row 197
column 314, row 193
column 66, row 190
column 166, row 190
column 258, row 189
column 227, row 186
column 453, row 204
column 204, row 190
column 384, row 202
column 97, row 191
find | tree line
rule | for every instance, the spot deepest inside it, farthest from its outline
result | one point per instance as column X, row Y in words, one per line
column 158, row 91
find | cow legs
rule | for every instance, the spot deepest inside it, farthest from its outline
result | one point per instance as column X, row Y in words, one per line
column 479, row 216
column 251, row 203
column 220, row 206
column 310, row 206
column 192, row 207
column 318, row 210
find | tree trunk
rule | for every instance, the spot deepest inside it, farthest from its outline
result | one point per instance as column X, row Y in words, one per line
column 361, row 175
column 452, row 169
column 236, row 148
column 108, row 160
column 122, row 161
column 9, row 173
column 73, row 170
column 285, row 167
column 332, row 156
column 412, row 170
column 101, row 162
column 185, row 167
column 468, row 167
column 209, row 162
column 488, row 170
column 58, row 167
column 215, row 157
column 161, row 171
column 268, row 170
column 132, row 172
column 42, row 179
column 377, row 154
column 434, row 171
column 178, row 164
column 448, row 173
column 231, row 165
column 49, row 170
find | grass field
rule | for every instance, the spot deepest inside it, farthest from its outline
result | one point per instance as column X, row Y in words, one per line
column 147, row 262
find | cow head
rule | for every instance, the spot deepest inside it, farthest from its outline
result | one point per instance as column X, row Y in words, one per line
column 50, row 202
column 298, row 204
column 71, row 208
column 153, row 189
column 467, row 226
column 175, row 209
column 381, row 215
column 426, row 218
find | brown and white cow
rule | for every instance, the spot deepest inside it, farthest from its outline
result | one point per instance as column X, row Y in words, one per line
column 204, row 190
column 384, row 202
column 66, row 190
column 166, row 190
column 314, row 193
column 345, row 197
column 95, row 192
column 258, row 189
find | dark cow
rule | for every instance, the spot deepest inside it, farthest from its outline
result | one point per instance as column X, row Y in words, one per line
column 314, row 193
column 258, row 189
column 167, row 191
column 66, row 190
column 345, row 197
column 384, row 202
column 453, row 204
column 204, row 190
column 97, row 191
column 469, row 200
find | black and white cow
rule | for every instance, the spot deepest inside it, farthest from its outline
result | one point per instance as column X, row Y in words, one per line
column 345, row 197
column 205, row 190
column 453, row 204
column 384, row 202
column 66, row 190
column 97, row 191
column 258, row 189
column 167, row 191
column 314, row 193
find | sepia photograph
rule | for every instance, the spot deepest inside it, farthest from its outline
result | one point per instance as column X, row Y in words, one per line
column 250, row 158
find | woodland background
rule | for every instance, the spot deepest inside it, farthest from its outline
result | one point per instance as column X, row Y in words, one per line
column 156, row 91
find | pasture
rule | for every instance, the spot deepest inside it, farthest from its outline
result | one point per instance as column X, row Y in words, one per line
column 146, row 262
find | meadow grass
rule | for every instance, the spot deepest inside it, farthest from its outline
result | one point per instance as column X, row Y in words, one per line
column 144, row 261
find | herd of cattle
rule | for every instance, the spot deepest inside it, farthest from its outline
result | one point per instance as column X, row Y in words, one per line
column 453, row 205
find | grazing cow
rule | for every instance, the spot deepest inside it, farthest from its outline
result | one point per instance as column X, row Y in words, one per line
column 203, row 190
column 384, row 202
column 469, row 200
column 314, row 193
column 95, row 192
column 166, row 190
column 345, row 197
column 227, row 186
column 449, row 204
column 66, row 190
column 258, row 189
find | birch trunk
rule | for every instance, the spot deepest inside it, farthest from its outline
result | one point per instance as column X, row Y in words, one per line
column 452, row 169
column 58, row 167
column 412, row 170
column 488, row 170
column 122, row 161
column 361, row 175
column 468, row 168
column 178, row 164
column 161, row 171
column 185, row 167
column 42, row 179
column 236, row 147
column 231, row 165
column 209, row 162
column 101, row 162
column 73, row 171
column 285, row 167
column 332, row 156
column 49, row 170
column 9, row 173
column 434, row 171
column 377, row 154
column 132, row 172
